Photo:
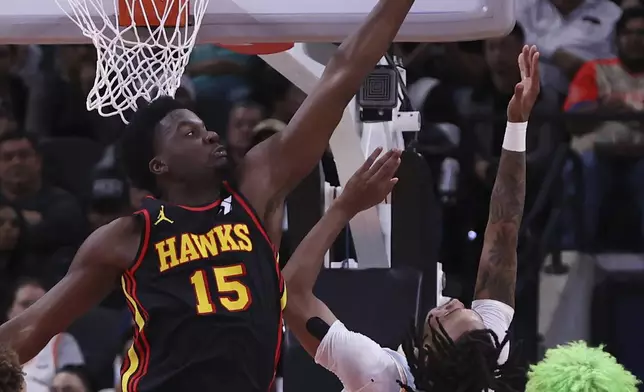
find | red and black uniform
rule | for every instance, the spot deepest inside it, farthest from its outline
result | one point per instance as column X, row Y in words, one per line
column 206, row 295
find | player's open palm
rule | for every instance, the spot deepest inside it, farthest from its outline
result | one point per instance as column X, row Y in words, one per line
column 372, row 182
column 527, row 90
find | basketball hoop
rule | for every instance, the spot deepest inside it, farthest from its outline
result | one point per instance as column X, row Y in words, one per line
column 259, row 49
column 143, row 48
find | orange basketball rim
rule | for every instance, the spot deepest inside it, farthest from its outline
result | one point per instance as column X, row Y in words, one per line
column 257, row 49
column 144, row 13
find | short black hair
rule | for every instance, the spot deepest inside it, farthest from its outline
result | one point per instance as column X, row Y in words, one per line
column 11, row 376
column 627, row 15
column 137, row 143
column 81, row 372
column 469, row 364
column 21, row 135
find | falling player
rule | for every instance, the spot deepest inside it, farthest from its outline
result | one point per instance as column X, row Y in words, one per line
column 197, row 265
column 459, row 349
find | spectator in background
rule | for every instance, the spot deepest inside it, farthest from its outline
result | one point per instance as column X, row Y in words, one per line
column 110, row 200
column 281, row 96
column 611, row 86
column 482, row 116
column 631, row 4
column 486, row 106
column 568, row 33
column 12, row 250
column 72, row 378
column 186, row 93
column 7, row 121
column 62, row 350
column 243, row 118
column 14, row 94
column 62, row 103
column 219, row 77
column 53, row 217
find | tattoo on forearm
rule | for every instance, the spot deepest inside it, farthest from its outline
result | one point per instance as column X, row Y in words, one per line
column 498, row 266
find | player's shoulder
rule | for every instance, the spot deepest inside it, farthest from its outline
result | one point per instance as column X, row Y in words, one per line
column 116, row 242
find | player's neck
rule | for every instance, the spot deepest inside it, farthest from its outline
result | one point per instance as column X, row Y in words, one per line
column 192, row 196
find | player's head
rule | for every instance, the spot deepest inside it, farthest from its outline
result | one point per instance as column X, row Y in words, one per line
column 165, row 144
column 11, row 376
column 577, row 367
column 455, row 352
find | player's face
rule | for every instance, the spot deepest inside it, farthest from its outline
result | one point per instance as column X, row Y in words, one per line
column 24, row 298
column 186, row 151
column 455, row 319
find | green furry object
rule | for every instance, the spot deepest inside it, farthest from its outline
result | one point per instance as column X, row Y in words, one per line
column 575, row 367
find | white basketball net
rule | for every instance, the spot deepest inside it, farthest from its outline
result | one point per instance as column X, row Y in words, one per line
column 134, row 62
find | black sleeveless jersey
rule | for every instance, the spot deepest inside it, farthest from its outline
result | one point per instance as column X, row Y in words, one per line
column 206, row 295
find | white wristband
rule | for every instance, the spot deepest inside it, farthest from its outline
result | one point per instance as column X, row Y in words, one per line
column 515, row 135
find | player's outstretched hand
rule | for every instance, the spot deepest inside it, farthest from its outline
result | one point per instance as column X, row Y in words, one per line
column 527, row 90
column 371, row 183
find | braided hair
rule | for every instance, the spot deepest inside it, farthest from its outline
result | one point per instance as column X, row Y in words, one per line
column 469, row 364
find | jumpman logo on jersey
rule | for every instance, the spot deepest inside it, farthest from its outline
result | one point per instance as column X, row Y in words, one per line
column 162, row 217
column 226, row 205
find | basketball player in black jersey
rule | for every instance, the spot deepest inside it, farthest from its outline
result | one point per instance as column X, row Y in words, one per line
column 197, row 264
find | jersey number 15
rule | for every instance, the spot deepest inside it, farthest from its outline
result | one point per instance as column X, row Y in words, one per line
column 232, row 293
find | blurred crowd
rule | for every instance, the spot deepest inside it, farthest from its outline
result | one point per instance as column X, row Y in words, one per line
column 60, row 173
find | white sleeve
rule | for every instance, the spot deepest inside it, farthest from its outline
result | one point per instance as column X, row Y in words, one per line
column 496, row 316
column 357, row 360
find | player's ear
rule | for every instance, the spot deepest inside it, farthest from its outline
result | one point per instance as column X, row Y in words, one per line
column 157, row 166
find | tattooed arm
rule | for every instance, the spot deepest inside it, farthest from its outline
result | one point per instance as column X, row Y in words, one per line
column 497, row 272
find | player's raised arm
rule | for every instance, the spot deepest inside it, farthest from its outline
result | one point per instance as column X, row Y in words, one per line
column 497, row 272
column 306, row 315
column 94, row 273
column 273, row 168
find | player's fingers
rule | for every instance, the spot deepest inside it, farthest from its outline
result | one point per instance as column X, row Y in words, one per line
column 388, row 169
column 529, row 62
column 521, row 63
column 535, row 68
column 369, row 162
column 379, row 163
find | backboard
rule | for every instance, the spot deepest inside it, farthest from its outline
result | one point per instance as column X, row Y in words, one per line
column 243, row 21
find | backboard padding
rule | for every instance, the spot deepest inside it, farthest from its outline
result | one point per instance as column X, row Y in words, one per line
column 243, row 21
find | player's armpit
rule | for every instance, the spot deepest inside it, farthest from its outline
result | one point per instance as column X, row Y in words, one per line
column 273, row 168
column 93, row 274
column 299, row 312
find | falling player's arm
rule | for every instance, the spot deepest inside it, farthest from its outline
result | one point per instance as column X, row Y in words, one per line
column 273, row 168
column 496, row 279
column 95, row 270
column 351, row 356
